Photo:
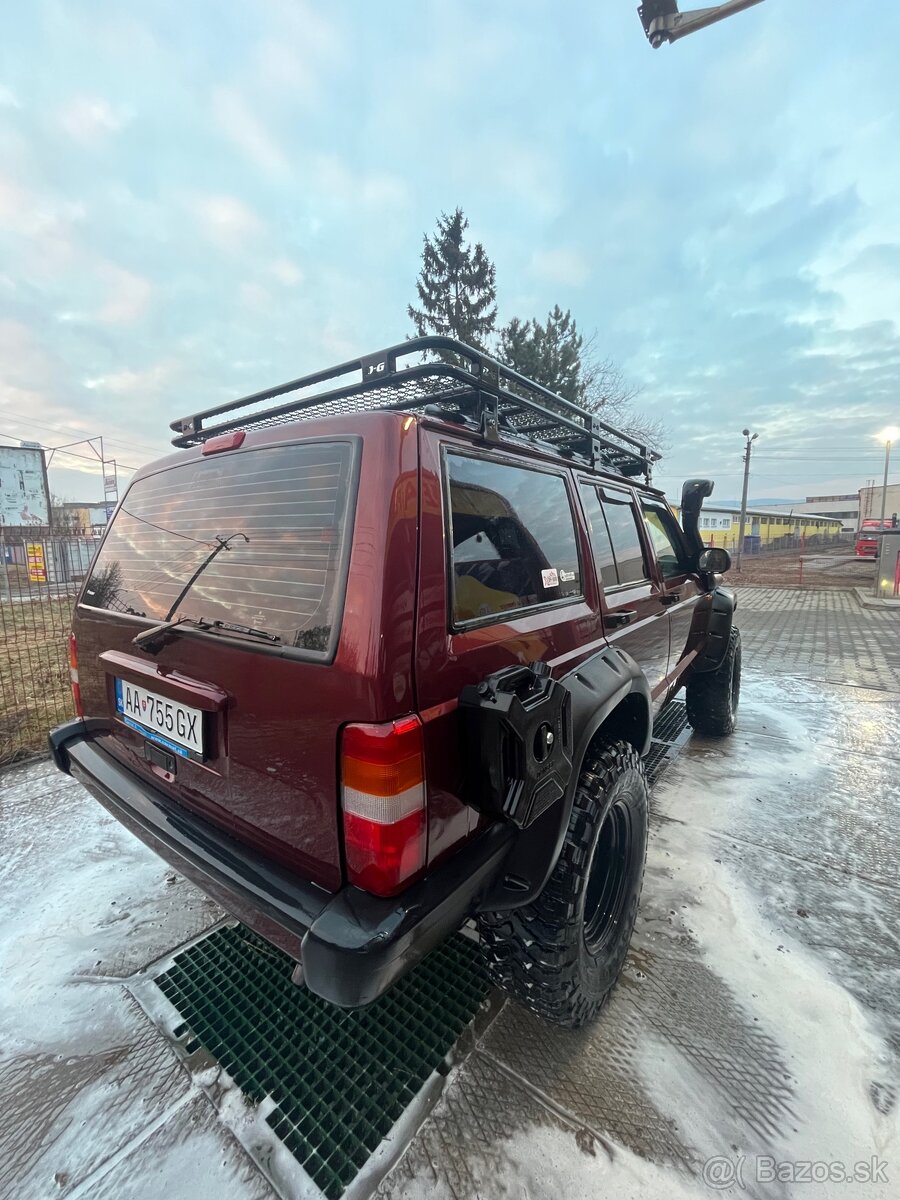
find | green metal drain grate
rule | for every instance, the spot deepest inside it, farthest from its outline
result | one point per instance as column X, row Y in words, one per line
column 669, row 730
column 671, row 723
column 339, row 1078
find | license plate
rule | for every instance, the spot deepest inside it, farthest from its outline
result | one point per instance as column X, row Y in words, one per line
column 166, row 722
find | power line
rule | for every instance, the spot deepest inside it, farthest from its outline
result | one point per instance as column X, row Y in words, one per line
column 71, row 454
column 70, row 430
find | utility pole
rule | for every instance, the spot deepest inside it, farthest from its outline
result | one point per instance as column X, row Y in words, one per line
column 888, row 436
column 887, row 463
column 743, row 521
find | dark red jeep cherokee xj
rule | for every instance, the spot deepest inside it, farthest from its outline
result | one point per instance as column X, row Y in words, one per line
column 380, row 649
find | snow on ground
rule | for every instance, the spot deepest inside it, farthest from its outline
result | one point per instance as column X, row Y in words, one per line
column 832, row 1049
column 82, row 1072
column 757, row 1020
column 797, row 790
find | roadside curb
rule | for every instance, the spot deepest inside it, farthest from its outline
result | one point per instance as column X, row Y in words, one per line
column 868, row 601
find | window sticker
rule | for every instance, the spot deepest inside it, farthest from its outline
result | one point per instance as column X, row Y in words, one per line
column 566, row 576
column 550, row 578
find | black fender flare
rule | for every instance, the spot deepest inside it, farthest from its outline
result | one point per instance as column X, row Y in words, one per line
column 718, row 630
column 598, row 688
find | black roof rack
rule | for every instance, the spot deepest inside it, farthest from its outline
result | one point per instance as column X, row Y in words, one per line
column 450, row 380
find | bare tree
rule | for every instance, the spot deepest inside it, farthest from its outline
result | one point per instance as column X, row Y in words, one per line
column 62, row 520
column 612, row 397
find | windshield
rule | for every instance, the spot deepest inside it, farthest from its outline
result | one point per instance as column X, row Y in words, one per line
column 257, row 538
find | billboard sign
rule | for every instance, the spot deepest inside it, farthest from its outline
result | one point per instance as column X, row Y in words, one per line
column 24, row 502
column 37, row 564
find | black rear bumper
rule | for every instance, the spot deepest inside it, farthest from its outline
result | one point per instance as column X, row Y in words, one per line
column 353, row 946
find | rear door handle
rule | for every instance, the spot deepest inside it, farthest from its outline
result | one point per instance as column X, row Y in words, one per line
column 623, row 617
column 670, row 597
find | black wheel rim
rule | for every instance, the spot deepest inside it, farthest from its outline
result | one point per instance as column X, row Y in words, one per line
column 607, row 885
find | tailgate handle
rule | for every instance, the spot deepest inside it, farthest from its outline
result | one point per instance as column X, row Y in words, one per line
column 623, row 617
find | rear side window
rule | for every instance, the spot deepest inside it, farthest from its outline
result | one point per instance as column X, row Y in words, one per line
column 258, row 538
column 513, row 538
column 621, row 522
column 604, row 559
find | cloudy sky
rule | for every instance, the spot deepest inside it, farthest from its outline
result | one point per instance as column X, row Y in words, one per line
column 198, row 200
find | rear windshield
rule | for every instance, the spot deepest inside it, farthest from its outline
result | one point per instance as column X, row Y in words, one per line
column 258, row 538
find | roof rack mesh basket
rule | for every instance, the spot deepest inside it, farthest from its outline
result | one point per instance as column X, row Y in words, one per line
column 441, row 377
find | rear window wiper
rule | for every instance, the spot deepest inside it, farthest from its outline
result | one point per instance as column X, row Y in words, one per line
column 153, row 640
column 246, row 631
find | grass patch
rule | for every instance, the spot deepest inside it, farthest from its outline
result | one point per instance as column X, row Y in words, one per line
column 35, row 692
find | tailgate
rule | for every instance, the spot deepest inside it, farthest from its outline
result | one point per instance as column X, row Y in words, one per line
column 240, row 726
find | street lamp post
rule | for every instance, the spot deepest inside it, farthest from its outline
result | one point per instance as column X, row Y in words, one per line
column 888, row 436
column 743, row 521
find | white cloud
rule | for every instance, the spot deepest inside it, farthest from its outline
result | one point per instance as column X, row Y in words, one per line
column 31, row 215
column 226, row 221
column 306, row 43
column 562, row 265
column 279, row 67
column 286, row 272
column 126, row 295
column 24, row 361
column 247, row 132
column 377, row 189
column 529, row 175
column 15, row 202
column 130, row 383
column 90, row 120
column 255, row 297
column 8, row 97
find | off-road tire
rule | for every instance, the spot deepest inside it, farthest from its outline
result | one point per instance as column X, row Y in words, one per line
column 712, row 697
column 540, row 954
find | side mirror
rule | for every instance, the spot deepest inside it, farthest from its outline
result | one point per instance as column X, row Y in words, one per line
column 714, row 561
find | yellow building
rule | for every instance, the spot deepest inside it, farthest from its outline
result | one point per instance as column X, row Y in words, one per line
column 766, row 529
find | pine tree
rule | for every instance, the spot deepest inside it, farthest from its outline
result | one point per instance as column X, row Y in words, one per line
column 456, row 286
column 549, row 354
column 556, row 355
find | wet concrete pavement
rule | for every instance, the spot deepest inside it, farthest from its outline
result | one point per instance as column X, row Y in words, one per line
column 756, row 1027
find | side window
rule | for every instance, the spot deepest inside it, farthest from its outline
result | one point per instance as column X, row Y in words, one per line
column 621, row 520
column 666, row 538
column 604, row 559
column 513, row 538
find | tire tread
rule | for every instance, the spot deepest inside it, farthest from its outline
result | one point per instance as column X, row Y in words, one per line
column 534, row 952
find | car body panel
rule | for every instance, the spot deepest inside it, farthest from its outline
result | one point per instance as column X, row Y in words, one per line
column 269, row 784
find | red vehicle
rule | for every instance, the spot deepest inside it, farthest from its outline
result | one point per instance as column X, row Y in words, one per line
column 370, row 662
column 868, row 539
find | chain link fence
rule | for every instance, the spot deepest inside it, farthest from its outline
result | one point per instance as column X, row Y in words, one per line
column 823, row 567
column 787, row 543
column 39, row 580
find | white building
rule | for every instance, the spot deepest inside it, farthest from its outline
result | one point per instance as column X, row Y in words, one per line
column 846, row 507
column 766, row 528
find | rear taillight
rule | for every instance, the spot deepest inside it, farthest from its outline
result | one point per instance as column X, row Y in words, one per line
column 383, row 798
column 73, row 674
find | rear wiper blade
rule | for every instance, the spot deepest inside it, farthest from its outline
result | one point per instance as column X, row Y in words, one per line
column 246, row 631
column 153, row 640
